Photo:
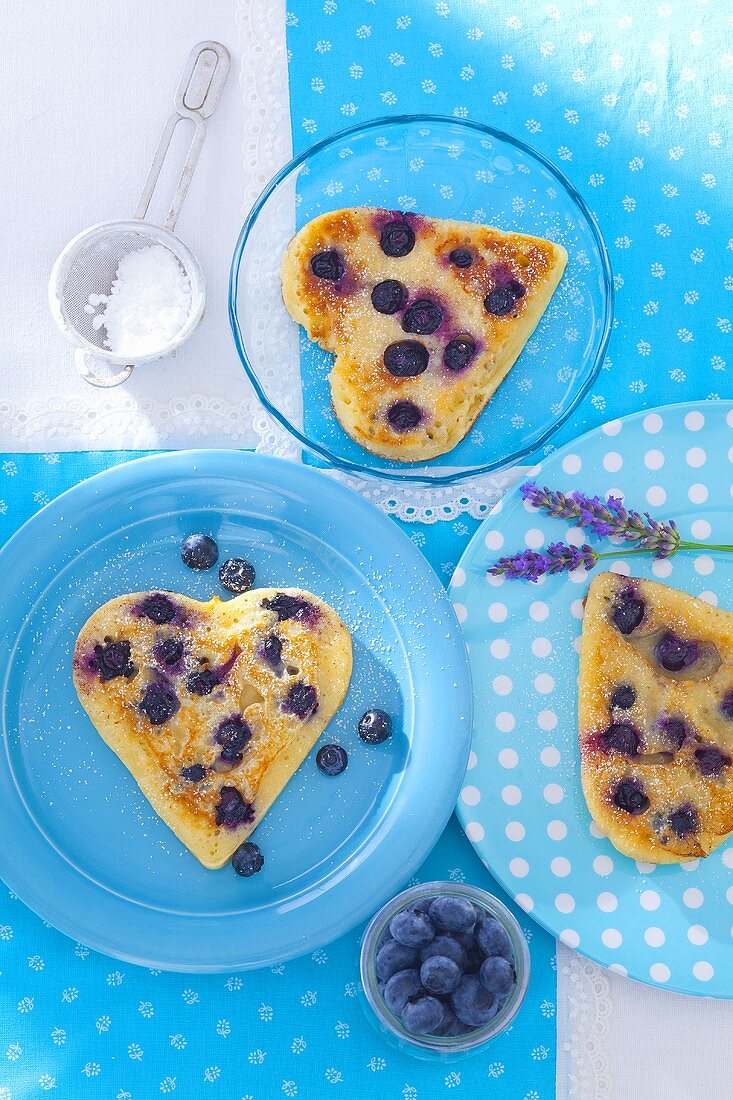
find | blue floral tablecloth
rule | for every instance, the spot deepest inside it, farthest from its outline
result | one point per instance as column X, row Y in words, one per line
column 82, row 1026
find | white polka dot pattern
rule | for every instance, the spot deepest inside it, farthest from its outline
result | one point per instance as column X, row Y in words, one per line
column 522, row 806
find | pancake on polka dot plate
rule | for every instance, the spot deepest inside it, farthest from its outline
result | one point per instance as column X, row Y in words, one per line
column 656, row 719
column 212, row 706
column 425, row 317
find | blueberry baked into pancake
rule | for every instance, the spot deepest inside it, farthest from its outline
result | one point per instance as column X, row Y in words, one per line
column 425, row 317
column 656, row 719
column 212, row 706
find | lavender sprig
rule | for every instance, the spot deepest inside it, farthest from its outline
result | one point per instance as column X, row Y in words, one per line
column 605, row 518
column 559, row 557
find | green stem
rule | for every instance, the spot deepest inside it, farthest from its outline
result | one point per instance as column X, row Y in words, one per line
column 620, row 552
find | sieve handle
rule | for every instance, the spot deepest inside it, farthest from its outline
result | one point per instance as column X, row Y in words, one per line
column 196, row 97
column 82, row 360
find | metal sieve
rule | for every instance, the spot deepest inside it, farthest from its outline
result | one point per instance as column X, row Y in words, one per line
column 88, row 264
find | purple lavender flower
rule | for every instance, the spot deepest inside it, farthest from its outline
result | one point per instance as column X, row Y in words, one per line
column 606, row 518
column 530, row 565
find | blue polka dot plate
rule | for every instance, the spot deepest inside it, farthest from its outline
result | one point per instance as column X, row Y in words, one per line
column 83, row 847
column 522, row 806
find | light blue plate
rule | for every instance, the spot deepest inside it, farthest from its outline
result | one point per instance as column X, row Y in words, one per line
column 81, row 845
column 522, row 806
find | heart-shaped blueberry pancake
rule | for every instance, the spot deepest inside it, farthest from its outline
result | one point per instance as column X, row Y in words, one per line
column 212, row 706
column 656, row 719
column 425, row 316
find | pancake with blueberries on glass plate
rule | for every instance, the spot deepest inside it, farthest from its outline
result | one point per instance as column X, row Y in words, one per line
column 425, row 316
column 656, row 719
column 212, row 706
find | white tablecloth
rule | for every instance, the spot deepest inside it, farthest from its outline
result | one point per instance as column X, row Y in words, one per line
column 86, row 95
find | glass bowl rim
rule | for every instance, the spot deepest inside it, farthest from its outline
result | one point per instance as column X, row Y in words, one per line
column 472, row 1040
column 455, row 477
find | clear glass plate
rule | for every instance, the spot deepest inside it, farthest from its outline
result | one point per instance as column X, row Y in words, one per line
column 441, row 167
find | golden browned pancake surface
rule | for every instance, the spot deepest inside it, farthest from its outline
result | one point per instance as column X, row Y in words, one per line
column 212, row 706
column 485, row 291
column 656, row 719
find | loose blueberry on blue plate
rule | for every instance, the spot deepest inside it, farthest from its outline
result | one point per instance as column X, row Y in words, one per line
column 393, row 957
column 199, row 551
column 236, row 575
column 158, row 703
column 452, row 914
column 450, row 948
column 332, row 759
column 440, row 975
column 493, row 938
column 472, row 1004
column 497, row 977
column 411, row 927
column 403, row 984
column 422, row 1013
column 248, row 859
column 375, row 726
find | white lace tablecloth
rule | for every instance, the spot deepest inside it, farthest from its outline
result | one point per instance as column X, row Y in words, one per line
column 98, row 82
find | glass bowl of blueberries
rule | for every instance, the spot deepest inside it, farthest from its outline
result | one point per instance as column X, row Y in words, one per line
column 437, row 167
column 444, row 969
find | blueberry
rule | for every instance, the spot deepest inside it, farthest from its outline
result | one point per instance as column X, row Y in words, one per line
column 375, row 726
column 394, row 956
column 271, row 652
column 231, row 809
column 684, row 820
column 406, row 358
column 472, row 1004
column 629, row 796
column 422, row 1013
column 458, row 353
column 440, row 975
column 422, row 904
column 248, row 859
column 389, row 296
column 168, row 651
column 675, row 730
column 493, row 938
column 199, row 551
column 411, row 927
column 726, row 706
column 403, row 984
column 286, row 606
column 233, row 734
column 621, row 737
column 711, row 760
column 328, row 265
column 158, row 703
column 403, row 416
column 497, row 977
column 422, row 317
column 194, row 773
column 450, row 1025
column 628, row 611
column 449, row 947
column 301, row 700
column 112, row 659
column 624, row 697
column 202, row 683
column 452, row 914
column 474, row 954
column 332, row 759
column 500, row 301
column 461, row 257
column 397, row 239
column 158, row 607
column 236, row 575
column 675, row 653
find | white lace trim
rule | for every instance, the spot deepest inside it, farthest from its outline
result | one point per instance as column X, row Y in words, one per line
column 584, row 995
